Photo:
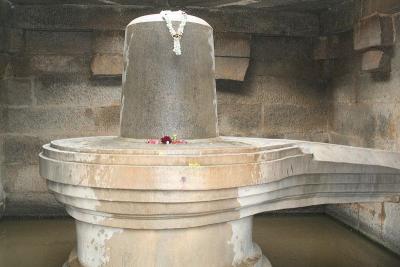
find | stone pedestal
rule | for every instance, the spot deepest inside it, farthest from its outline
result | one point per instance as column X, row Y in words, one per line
column 191, row 204
column 171, row 205
column 222, row 244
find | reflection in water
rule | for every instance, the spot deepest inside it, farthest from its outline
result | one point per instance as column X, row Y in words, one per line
column 288, row 241
column 35, row 243
column 317, row 241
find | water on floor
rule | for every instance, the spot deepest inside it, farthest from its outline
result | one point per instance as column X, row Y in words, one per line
column 288, row 241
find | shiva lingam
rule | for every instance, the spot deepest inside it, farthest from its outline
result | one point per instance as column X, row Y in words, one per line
column 192, row 204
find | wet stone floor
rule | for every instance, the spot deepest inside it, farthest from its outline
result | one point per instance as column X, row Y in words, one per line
column 287, row 240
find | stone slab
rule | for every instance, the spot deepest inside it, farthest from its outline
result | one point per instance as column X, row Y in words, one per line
column 64, row 120
column 57, row 42
column 109, row 17
column 33, row 204
column 374, row 31
column 384, row 6
column 76, row 90
column 375, row 61
column 107, row 65
column 27, row 66
column 232, row 45
column 242, row 119
column 16, row 92
column 231, row 68
column 111, row 42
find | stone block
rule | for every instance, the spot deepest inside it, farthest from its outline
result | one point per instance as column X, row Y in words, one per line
column 34, row 204
column 333, row 46
column 345, row 88
column 4, row 65
column 231, row 68
column 108, row 42
column 58, row 42
column 349, row 65
column 1, row 151
column 22, row 178
column 388, row 144
column 75, row 90
column 233, row 92
column 3, row 36
column 76, row 17
column 22, row 148
column 347, row 213
column 338, row 18
column 15, row 40
column 257, row 21
column 341, row 139
column 240, row 119
column 23, row 66
column 375, row 61
column 64, row 120
column 378, row 221
column 232, row 45
column 107, row 65
column 115, row 17
column 391, row 230
column 374, row 31
column 16, row 92
column 283, row 57
column 371, row 91
column 5, row 10
column 314, row 136
column 58, row 64
column 284, row 90
column 286, row 118
column 3, row 122
column 2, row 201
column 369, row 7
column 106, row 119
column 395, row 59
column 365, row 121
column 371, row 217
column 326, row 47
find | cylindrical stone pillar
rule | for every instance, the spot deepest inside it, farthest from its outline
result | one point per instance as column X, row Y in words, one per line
column 216, row 245
column 164, row 93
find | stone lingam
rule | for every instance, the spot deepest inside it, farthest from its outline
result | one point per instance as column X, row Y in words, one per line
column 192, row 204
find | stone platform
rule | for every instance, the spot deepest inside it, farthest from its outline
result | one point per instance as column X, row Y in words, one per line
column 139, row 204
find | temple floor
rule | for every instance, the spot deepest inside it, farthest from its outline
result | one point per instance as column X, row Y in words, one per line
column 287, row 240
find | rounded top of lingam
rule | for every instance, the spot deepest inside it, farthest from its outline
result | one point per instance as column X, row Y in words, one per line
column 175, row 16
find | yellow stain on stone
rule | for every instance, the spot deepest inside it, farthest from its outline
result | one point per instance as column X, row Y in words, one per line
column 194, row 164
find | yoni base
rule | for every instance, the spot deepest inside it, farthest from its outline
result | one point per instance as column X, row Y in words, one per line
column 218, row 245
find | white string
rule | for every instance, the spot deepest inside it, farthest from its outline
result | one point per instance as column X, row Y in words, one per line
column 176, row 35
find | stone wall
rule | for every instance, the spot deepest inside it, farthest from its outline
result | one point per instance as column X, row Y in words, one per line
column 48, row 90
column 50, row 94
column 365, row 112
column 4, row 55
column 281, row 96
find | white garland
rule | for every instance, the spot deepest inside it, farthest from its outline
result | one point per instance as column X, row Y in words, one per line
column 176, row 35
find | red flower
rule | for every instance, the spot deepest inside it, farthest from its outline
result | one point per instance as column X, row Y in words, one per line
column 166, row 140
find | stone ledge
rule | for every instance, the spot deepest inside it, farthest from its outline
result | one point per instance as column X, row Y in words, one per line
column 376, row 30
column 77, row 17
